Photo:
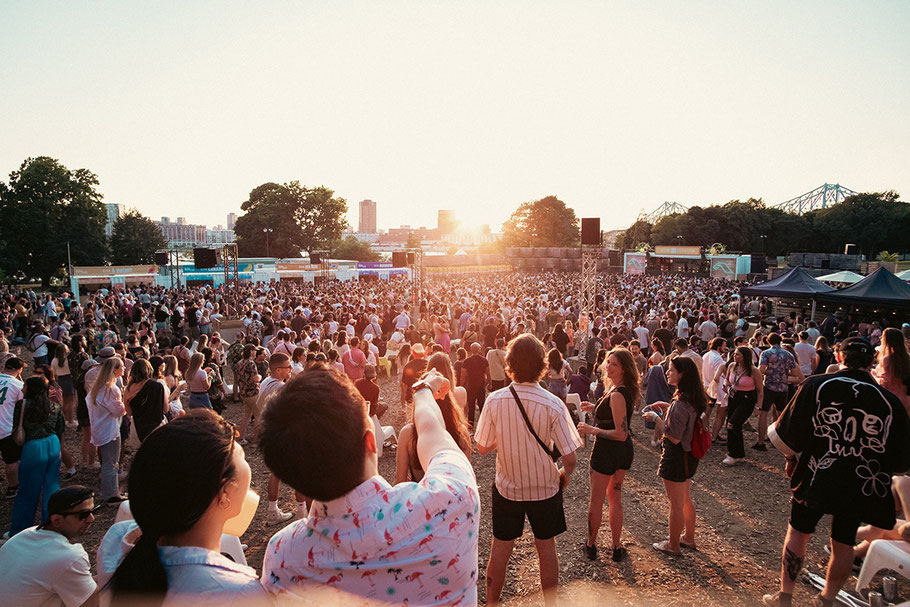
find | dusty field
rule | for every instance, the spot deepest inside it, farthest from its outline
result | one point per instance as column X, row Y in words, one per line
column 742, row 517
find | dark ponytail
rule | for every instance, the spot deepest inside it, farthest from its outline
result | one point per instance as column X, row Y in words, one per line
column 690, row 387
column 166, row 501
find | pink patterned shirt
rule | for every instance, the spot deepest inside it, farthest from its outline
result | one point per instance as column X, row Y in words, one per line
column 413, row 543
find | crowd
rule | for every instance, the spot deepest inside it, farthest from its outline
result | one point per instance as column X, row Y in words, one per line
column 505, row 363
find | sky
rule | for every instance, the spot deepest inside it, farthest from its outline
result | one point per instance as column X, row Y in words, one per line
column 182, row 108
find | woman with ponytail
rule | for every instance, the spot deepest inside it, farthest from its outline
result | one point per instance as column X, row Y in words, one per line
column 170, row 553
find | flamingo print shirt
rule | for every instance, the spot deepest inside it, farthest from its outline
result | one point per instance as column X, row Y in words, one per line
column 412, row 543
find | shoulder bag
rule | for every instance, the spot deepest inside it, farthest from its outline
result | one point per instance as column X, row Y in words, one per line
column 554, row 453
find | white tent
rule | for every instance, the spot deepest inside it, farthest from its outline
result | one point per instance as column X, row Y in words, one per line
column 843, row 276
column 905, row 275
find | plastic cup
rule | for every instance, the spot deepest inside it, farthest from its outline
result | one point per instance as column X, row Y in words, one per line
column 239, row 524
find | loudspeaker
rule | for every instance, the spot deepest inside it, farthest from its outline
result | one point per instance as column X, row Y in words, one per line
column 759, row 263
column 590, row 231
column 204, row 258
column 412, row 258
column 315, row 258
column 851, row 249
column 161, row 259
column 399, row 259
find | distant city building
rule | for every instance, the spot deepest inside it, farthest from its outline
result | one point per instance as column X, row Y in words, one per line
column 367, row 224
column 219, row 235
column 231, row 220
column 181, row 234
column 114, row 212
column 446, row 222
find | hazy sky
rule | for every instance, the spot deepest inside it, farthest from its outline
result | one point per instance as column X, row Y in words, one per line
column 181, row 108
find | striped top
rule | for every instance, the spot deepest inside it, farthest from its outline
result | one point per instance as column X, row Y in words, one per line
column 524, row 472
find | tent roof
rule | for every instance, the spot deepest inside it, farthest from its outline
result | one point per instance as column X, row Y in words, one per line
column 879, row 288
column 795, row 283
column 842, row 276
column 905, row 275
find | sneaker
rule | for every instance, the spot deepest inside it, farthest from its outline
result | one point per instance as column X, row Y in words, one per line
column 72, row 424
column 731, row 461
column 618, row 554
column 97, row 465
column 653, row 443
column 243, row 442
column 277, row 516
column 11, row 492
column 760, row 447
column 68, row 475
column 591, row 552
column 117, row 499
column 771, row 600
column 720, row 440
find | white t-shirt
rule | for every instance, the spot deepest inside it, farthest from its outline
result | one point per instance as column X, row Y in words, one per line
column 804, row 354
column 41, row 568
column 682, row 328
column 267, row 389
column 10, row 394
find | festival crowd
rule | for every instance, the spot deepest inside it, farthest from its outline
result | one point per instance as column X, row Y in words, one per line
column 505, row 363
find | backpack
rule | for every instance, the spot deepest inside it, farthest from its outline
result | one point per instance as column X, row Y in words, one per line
column 701, row 439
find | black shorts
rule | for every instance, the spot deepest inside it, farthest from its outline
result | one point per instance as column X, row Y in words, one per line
column 778, row 399
column 804, row 518
column 609, row 456
column 547, row 517
column 9, row 450
column 676, row 464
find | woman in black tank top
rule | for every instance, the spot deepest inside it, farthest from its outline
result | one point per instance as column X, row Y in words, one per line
column 612, row 453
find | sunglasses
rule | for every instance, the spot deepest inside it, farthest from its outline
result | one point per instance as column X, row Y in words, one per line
column 82, row 514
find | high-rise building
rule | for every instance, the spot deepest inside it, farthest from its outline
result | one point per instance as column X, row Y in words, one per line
column 446, row 222
column 114, row 212
column 367, row 217
column 231, row 220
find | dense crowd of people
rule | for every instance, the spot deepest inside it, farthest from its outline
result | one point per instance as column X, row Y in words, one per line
column 493, row 362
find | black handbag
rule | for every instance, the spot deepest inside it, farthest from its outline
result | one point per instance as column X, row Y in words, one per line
column 554, row 453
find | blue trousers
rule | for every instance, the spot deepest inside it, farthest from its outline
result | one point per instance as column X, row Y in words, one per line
column 39, row 477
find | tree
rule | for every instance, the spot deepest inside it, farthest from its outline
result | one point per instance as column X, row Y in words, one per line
column 300, row 219
column 547, row 222
column 638, row 232
column 351, row 248
column 42, row 208
column 873, row 221
column 134, row 239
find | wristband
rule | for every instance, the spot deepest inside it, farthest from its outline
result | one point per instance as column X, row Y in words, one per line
column 421, row 384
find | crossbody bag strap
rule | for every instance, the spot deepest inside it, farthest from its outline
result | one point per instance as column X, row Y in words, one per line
column 524, row 415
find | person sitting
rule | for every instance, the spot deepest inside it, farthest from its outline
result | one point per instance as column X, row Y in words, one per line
column 382, row 542
column 181, row 512
column 41, row 565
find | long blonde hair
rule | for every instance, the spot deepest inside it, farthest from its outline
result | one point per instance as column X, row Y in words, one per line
column 170, row 366
column 196, row 362
column 106, row 375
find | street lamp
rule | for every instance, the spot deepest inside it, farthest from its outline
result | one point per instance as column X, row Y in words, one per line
column 764, row 237
column 268, row 246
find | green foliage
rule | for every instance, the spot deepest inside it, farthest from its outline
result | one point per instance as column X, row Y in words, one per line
column 887, row 257
column 413, row 241
column 873, row 221
column 547, row 222
column 134, row 239
column 638, row 232
column 301, row 219
column 351, row 248
column 42, row 208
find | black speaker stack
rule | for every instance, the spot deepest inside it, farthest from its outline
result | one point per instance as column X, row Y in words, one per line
column 590, row 231
column 204, row 258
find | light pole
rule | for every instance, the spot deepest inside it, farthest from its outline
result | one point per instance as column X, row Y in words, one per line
column 763, row 237
column 268, row 246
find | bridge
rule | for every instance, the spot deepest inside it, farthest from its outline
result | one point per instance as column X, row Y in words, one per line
column 820, row 198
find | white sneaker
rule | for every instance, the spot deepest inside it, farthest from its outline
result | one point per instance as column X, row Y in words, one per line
column 731, row 461
column 277, row 516
column 653, row 443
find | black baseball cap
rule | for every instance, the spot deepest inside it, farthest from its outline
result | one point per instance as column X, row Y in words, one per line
column 13, row 362
column 857, row 344
column 66, row 499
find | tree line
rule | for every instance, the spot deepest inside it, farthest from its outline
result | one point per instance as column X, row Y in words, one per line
column 875, row 222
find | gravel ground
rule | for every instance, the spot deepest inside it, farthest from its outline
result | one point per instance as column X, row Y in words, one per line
column 742, row 518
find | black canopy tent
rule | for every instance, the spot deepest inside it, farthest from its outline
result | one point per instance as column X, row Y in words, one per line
column 881, row 288
column 796, row 283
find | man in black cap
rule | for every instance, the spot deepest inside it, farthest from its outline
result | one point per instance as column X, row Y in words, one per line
column 844, row 436
column 40, row 565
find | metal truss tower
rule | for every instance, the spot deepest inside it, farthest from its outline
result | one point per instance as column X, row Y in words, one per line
column 230, row 259
column 589, row 258
column 820, row 198
column 667, row 208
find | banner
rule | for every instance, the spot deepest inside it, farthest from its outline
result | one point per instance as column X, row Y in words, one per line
column 723, row 267
column 374, row 265
column 293, row 266
column 670, row 250
column 634, row 263
column 111, row 271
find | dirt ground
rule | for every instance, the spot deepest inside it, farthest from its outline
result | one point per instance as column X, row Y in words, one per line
column 742, row 517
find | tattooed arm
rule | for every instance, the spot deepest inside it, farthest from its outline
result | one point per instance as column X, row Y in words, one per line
column 621, row 425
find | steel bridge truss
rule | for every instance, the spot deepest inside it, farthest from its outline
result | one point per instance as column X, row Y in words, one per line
column 667, row 208
column 820, row 198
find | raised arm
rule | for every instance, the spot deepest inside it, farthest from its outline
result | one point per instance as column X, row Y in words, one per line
column 432, row 436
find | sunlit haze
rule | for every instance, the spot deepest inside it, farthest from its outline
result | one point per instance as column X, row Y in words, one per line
column 182, row 108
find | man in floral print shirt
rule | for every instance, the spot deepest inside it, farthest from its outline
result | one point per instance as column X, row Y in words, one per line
column 413, row 543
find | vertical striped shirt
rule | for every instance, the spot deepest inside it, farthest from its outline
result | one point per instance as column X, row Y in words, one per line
column 524, row 472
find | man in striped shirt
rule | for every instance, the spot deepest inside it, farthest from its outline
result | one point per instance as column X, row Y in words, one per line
column 528, row 483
